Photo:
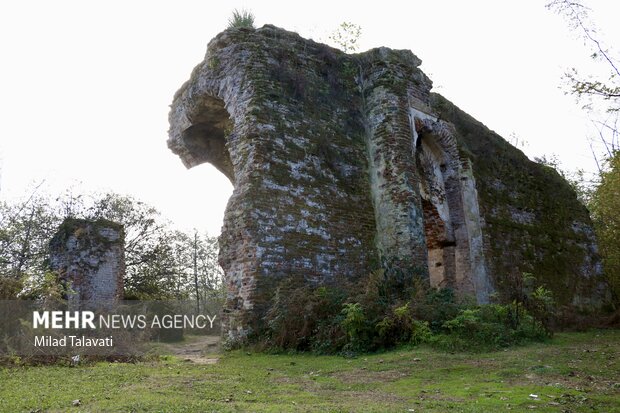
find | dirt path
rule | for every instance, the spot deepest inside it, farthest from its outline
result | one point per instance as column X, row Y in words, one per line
column 196, row 349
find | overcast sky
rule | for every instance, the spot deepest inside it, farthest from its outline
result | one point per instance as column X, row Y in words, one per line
column 85, row 85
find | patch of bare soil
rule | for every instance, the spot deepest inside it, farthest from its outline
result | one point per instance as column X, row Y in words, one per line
column 196, row 349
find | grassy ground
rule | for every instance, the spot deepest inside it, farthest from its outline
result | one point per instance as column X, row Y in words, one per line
column 576, row 372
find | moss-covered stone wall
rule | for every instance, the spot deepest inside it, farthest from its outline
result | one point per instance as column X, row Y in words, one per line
column 534, row 223
column 342, row 162
column 89, row 258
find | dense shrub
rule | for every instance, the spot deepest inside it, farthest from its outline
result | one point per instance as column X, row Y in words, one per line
column 398, row 307
column 305, row 318
column 399, row 327
column 436, row 306
column 356, row 326
column 488, row 327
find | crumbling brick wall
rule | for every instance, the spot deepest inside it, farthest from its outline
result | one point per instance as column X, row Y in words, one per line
column 89, row 258
column 343, row 162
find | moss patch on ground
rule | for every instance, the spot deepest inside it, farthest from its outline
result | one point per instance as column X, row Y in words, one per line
column 576, row 372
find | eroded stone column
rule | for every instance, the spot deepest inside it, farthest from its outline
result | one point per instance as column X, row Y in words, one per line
column 394, row 180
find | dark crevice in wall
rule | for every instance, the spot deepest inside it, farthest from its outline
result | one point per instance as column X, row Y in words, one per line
column 206, row 138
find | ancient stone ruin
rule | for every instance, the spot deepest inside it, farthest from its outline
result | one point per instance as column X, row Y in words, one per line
column 342, row 163
column 89, row 258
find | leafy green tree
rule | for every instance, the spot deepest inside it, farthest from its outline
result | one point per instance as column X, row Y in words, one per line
column 207, row 272
column 145, row 231
column 605, row 208
column 161, row 262
column 25, row 230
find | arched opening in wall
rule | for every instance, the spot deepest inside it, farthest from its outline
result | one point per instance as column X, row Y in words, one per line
column 433, row 169
column 451, row 213
column 205, row 139
column 205, row 193
column 212, row 178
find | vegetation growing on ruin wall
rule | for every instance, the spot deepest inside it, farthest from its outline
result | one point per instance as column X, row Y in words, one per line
column 550, row 239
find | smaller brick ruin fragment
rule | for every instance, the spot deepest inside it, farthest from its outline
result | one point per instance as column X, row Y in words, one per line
column 90, row 260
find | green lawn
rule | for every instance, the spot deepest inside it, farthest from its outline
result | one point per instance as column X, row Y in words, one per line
column 575, row 372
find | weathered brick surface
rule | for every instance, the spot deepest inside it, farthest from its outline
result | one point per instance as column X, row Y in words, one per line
column 89, row 258
column 340, row 162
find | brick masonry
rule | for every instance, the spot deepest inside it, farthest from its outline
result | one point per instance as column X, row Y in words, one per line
column 341, row 162
column 89, row 259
